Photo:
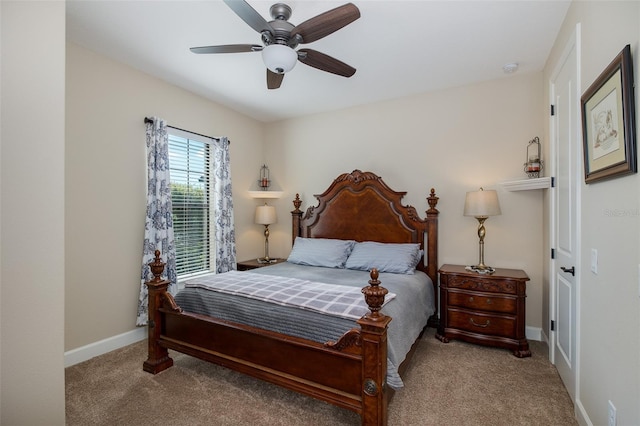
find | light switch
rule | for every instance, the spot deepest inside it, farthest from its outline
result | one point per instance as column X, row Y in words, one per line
column 594, row 261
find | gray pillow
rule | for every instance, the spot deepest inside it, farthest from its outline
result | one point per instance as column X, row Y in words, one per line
column 386, row 257
column 330, row 253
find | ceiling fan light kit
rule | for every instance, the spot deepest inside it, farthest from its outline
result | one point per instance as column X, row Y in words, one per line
column 279, row 58
column 280, row 38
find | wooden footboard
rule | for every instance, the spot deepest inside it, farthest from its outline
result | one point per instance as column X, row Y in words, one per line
column 350, row 372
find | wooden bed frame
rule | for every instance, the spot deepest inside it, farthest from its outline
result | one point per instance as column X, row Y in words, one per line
column 351, row 372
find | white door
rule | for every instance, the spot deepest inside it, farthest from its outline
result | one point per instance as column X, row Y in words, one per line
column 566, row 139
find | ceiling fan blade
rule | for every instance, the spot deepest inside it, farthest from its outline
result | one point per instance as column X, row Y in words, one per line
column 323, row 62
column 228, row 48
column 326, row 23
column 249, row 15
column 274, row 80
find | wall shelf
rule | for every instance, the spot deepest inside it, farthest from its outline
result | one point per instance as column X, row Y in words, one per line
column 527, row 184
column 265, row 194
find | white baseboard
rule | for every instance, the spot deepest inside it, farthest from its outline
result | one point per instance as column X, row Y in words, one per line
column 581, row 414
column 101, row 347
column 533, row 333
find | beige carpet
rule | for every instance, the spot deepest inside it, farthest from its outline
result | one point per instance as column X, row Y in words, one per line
column 447, row 384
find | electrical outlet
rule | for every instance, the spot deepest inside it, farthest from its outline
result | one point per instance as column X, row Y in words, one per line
column 594, row 261
column 612, row 414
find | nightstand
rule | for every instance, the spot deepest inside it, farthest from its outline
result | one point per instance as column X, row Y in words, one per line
column 484, row 309
column 247, row 265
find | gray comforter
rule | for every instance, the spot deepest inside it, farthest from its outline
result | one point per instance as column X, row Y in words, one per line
column 410, row 310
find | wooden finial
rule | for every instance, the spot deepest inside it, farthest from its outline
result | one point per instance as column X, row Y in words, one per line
column 297, row 203
column 374, row 295
column 157, row 268
column 433, row 201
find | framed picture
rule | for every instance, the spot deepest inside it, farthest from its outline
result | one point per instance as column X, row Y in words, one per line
column 608, row 122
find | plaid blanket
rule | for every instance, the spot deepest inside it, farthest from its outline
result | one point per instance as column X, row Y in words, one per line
column 337, row 300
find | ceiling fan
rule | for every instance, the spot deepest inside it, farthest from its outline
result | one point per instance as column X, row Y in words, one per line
column 280, row 38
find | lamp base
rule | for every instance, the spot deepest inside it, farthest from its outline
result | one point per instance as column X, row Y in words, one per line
column 481, row 269
column 265, row 260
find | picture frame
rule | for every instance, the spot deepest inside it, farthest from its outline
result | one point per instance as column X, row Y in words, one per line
column 608, row 122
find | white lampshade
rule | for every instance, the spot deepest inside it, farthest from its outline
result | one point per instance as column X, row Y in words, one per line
column 482, row 203
column 279, row 58
column 265, row 215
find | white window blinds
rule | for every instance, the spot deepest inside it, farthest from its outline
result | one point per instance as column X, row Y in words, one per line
column 190, row 170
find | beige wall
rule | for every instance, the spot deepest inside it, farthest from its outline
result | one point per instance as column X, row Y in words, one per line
column 32, row 219
column 609, row 326
column 106, row 184
column 454, row 140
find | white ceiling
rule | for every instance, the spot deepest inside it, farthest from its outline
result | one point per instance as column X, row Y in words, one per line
column 399, row 48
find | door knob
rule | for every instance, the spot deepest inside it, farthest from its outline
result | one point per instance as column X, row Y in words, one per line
column 571, row 270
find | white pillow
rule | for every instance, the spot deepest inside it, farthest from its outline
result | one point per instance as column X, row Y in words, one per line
column 386, row 257
column 327, row 252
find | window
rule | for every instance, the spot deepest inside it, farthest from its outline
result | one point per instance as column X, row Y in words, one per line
column 189, row 163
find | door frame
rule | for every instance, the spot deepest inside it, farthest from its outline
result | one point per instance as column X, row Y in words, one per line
column 573, row 43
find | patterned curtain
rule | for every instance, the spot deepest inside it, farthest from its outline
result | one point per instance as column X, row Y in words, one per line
column 158, row 230
column 225, row 237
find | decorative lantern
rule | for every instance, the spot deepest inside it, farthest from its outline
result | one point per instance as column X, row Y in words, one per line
column 534, row 163
column 264, row 181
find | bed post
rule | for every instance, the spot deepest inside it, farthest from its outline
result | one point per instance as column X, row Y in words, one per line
column 296, row 217
column 158, row 359
column 374, row 355
column 432, row 236
column 432, row 252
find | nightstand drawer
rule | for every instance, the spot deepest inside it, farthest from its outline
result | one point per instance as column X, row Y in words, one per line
column 477, row 322
column 480, row 284
column 483, row 302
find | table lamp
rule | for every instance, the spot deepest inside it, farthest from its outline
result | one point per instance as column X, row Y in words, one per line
column 481, row 204
column 265, row 215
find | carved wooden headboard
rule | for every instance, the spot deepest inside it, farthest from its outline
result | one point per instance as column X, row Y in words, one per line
column 360, row 206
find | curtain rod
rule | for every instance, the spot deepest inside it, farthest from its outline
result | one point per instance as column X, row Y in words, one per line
column 149, row 120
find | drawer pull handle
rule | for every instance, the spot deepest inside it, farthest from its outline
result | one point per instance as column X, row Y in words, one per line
column 471, row 299
column 485, row 325
column 489, row 301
